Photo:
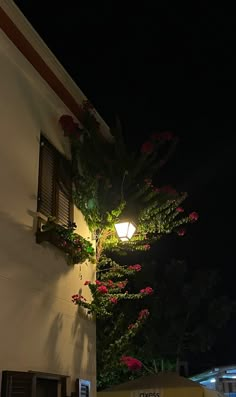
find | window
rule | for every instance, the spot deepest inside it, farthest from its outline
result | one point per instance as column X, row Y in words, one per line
column 31, row 384
column 82, row 388
column 55, row 184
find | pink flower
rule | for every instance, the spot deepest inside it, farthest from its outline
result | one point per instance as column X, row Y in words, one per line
column 121, row 284
column 98, row 282
column 143, row 314
column 87, row 282
column 68, row 125
column 113, row 300
column 146, row 291
column 147, row 247
column 103, row 289
column 168, row 190
column 64, row 243
column 156, row 189
column 137, row 268
column 179, row 209
column 77, row 298
column 132, row 363
column 131, row 326
column 181, row 232
column 193, row 216
column 147, row 147
column 110, row 283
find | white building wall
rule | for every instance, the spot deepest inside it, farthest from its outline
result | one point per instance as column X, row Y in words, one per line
column 40, row 328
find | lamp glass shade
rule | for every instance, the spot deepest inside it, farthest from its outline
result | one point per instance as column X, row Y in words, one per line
column 125, row 230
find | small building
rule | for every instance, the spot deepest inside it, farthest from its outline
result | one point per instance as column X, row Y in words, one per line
column 222, row 379
column 46, row 347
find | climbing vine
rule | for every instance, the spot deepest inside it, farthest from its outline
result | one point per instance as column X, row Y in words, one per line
column 111, row 183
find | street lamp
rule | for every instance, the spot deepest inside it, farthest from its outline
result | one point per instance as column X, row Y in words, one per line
column 125, row 230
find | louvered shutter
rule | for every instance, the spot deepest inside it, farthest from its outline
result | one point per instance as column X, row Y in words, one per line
column 55, row 184
column 16, row 384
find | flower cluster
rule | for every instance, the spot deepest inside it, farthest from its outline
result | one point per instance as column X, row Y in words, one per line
column 76, row 248
column 193, row 216
column 132, row 363
column 102, row 289
column 137, row 267
column 143, row 314
column 147, row 291
column 77, row 298
column 181, row 232
column 149, row 146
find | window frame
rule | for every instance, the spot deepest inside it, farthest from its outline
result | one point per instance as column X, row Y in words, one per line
column 57, row 157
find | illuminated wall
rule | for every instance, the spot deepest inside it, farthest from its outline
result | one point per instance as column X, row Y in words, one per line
column 40, row 327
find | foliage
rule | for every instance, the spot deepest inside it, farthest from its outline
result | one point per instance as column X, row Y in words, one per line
column 76, row 248
column 108, row 291
column 111, row 183
column 187, row 314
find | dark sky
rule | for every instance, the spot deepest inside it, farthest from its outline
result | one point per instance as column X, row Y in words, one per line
column 162, row 67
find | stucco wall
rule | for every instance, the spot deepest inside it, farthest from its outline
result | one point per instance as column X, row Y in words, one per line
column 40, row 328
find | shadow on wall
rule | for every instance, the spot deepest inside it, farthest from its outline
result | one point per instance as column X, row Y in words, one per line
column 25, row 260
column 84, row 350
column 37, row 284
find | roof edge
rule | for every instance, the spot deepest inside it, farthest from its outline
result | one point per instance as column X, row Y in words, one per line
column 27, row 40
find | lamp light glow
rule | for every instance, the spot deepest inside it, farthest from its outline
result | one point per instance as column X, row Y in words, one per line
column 125, row 230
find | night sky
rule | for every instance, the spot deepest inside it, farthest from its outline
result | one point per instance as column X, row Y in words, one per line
column 171, row 68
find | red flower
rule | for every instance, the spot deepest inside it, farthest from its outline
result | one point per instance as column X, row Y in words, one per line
column 156, row 189
column 143, row 314
column 137, row 268
column 168, row 190
column 103, row 289
column 110, row 283
column 76, row 298
column 193, row 216
column 147, row 147
column 131, row 326
column 121, row 284
column 98, row 282
column 179, row 209
column 87, row 282
column 132, row 363
column 181, row 232
column 146, row 291
column 113, row 300
column 68, row 125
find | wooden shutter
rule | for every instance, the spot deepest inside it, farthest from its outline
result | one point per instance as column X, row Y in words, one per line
column 55, row 184
column 82, row 388
column 17, row 384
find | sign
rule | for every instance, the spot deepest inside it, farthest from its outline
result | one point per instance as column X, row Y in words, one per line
column 147, row 393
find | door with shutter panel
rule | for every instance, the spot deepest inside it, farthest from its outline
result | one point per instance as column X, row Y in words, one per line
column 17, row 384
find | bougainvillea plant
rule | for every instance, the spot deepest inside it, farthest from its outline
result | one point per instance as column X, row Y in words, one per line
column 110, row 183
column 76, row 248
column 107, row 292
